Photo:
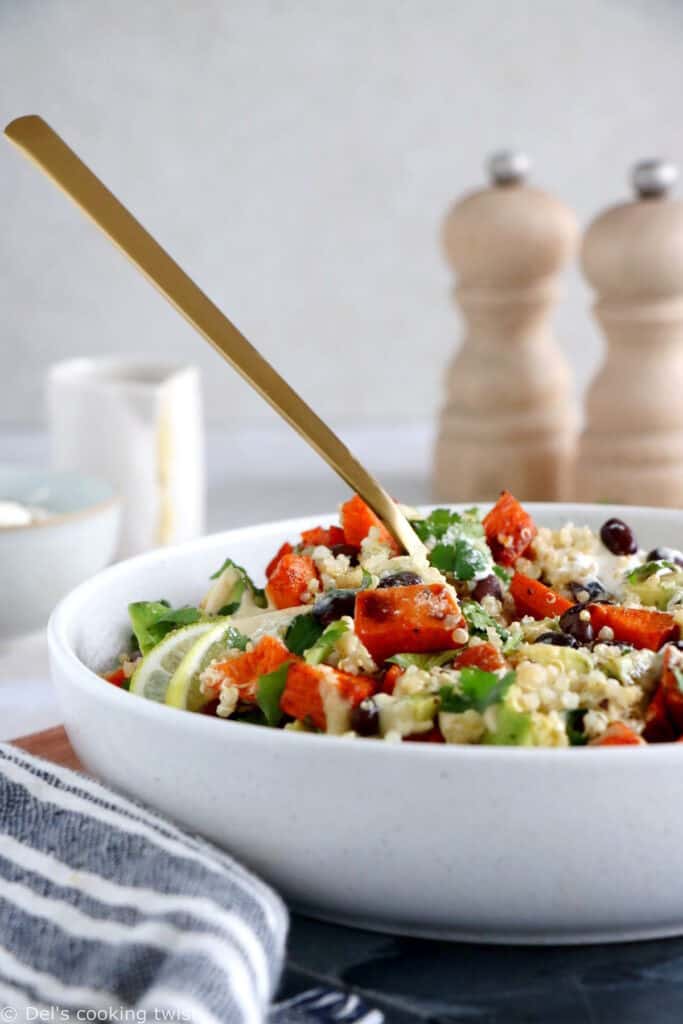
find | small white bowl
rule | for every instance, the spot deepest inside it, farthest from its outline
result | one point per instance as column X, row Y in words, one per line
column 488, row 844
column 43, row 560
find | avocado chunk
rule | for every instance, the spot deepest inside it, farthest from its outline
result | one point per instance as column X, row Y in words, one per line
column 568, row 658
column 513, row 729
column 655, row 583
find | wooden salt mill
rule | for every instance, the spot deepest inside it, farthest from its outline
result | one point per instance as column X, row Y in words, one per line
column 632, row 447
column 508, row 420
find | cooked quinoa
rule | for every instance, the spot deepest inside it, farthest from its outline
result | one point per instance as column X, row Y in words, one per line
column 502, row 633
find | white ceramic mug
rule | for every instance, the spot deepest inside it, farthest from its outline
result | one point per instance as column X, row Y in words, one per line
column 137, row 424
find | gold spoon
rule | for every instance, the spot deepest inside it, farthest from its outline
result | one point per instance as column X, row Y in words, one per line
column 44, row 147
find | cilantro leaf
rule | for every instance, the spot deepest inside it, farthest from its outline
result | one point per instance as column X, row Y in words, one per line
column 325, row 644
column 303, row 632
column 435, row 524
column 478, row 690
column 456, row 543
column 575, row 732
column 152, row 620
column 442, row 521
column 479, row 621
column 503, row 574
column 269, row 690
column 366, row 580
column 423, row 661
column 460, row 559
column 245, row 580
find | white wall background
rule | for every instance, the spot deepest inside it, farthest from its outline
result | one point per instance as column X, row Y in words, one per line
column 297, row 157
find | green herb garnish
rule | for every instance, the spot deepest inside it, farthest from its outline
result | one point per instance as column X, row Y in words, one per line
column 456, row 543
column 477, row 690
column 302, row 633
column 479, row 621
column 575, row 728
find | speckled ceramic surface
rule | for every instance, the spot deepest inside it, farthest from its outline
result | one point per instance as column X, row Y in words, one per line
column 513, row 845
column 42, row 561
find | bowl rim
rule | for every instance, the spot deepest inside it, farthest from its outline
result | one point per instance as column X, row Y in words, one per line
column 57, row 519
column 81, row 677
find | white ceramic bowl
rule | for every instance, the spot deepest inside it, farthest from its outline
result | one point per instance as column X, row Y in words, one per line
column 42, row 561
column 479, row 843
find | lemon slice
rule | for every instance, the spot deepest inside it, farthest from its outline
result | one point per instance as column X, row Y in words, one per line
column 183, row 690
column 153, row 675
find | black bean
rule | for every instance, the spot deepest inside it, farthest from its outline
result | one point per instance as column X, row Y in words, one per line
column 618, row 537
column 665, row 555
column 400, row 579
column 572, row 623
column 332, row 605
column 557, row 640
column 488, row 587
column 365, row 718
column 346, row 549
column 591, row 590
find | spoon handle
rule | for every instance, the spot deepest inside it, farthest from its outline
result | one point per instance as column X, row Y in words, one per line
column 44, row 147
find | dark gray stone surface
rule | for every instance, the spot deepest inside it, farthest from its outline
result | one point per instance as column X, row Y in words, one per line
column 445, row 983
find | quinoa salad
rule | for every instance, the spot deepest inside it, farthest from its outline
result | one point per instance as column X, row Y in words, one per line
column 503, row 633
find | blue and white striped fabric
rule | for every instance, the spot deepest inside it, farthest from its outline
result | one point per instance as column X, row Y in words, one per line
column 109, row 912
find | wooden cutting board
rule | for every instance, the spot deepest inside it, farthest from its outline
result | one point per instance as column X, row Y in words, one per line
column 53, row 745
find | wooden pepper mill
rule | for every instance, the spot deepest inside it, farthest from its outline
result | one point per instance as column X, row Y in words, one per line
column 632, row 447
column 508, row 420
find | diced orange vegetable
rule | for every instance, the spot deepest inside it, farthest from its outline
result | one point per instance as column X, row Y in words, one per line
column 244, row 670
column 658, row 725
column 617, row 735
column 484, row 656
column 288, row 583
column 357, row 519
column 433, row 736
column 417, row 618
column 533, row 598
column 673, row 696
column 391, row 677
column 302, row 698
column 509, row 529
column 117, row 677
column 319, row 535
column 285, row 549
column 640, row 627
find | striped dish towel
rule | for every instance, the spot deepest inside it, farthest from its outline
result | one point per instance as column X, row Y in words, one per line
column 109, row 912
